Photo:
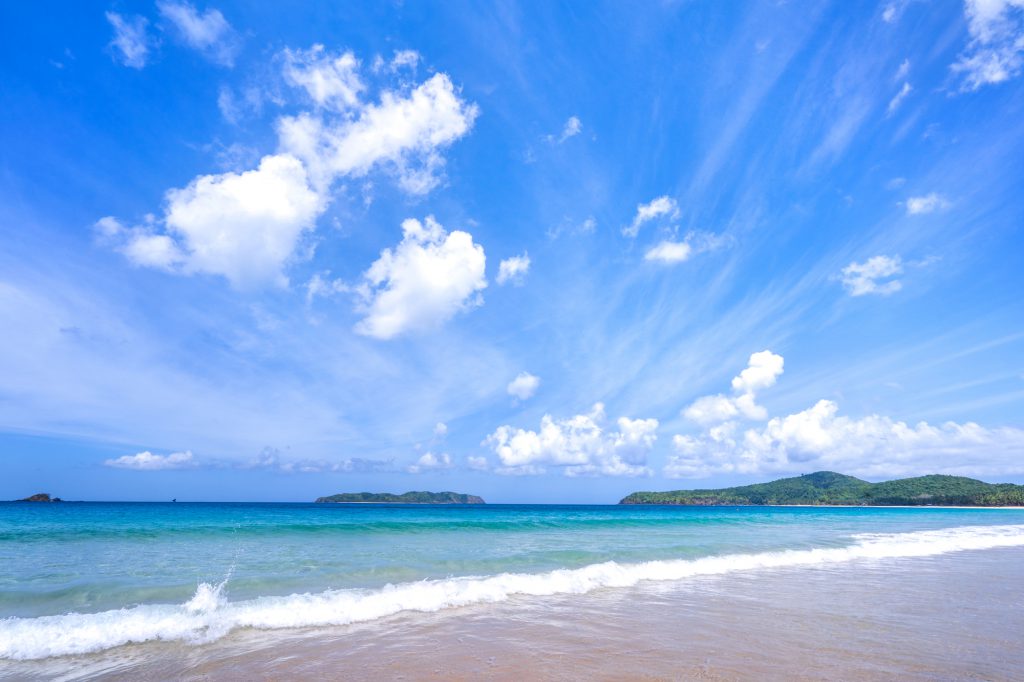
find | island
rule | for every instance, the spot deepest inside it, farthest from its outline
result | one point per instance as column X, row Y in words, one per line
column 411, row 497
column 40, row 497
column 830, row 488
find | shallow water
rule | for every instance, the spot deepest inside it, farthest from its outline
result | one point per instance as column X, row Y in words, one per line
column 126, row 588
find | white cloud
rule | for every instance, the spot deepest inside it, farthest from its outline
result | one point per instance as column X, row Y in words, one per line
column 430, row 462
column 892, row 11
column 405, row 59
column 248, row 226
column 662, row 206
column 440, row 430
column 995, row 52
column 580, row 446
column 902, row 71
column 572, row 127
column 429, row 277
column 669, row 252
column 234, row 106
column 403, row 132
column 270, row 460
column 929, row 203
column 207, row 32
column 864, row 278
column 331, row 80
column 763, row 368
column 320, row 285
column 895, row 102
column 147, row 461
column 141, row 244
column 523, row 386
column 244, row 226
column 476, row 463
column 130, row 42
column 818, row 438
column 513, row 269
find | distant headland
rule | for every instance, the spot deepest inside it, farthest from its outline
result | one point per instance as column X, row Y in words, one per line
column 412, row 497
column 830, row 488
column 40, row 497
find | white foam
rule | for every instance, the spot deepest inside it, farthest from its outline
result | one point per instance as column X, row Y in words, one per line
column 208, row 615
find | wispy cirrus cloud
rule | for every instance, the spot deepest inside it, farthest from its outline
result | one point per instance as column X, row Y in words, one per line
column 131, row 42
column 659, row 207
column 208, row 32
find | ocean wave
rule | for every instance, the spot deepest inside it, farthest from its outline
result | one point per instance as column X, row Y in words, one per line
column 208, row 615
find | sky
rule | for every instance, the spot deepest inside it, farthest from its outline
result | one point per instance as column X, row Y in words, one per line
column 538, row 252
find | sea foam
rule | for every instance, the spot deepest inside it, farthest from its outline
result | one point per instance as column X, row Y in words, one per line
column 209, row 616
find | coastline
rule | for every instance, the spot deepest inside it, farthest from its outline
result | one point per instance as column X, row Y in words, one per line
column 872, row 620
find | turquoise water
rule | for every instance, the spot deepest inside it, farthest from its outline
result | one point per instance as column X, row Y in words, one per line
column 72, row 572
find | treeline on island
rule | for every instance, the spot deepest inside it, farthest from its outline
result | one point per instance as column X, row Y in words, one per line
column 830, row 488
column 412, row 497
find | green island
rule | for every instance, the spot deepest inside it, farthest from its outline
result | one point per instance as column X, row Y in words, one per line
column 830, row 488
column 412, row 497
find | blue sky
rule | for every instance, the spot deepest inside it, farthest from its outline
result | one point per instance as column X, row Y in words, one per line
column 541, row 252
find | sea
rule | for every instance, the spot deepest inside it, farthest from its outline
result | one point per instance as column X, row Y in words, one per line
column 92, row 590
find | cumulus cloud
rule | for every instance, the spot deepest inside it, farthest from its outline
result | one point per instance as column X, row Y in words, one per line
column 430, row 462
column 249, row 226
column 130, row 44
column 243, row 226
column 662, row 206
column 876, row 275
column 995, row 52
column 820, row 438
column 207, row 32
column 330, row 80
column 929, row 203
column 579, row 446
column 523, row 386
column 429, row 277
column 763, row 368
column 669, row 252
column 513, row 269
column 672, row 252
column 147, row 461
column 404, row 132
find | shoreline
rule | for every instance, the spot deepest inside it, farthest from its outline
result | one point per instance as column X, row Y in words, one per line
column 779, row 624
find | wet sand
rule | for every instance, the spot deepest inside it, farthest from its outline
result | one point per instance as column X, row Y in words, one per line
column 957, row 616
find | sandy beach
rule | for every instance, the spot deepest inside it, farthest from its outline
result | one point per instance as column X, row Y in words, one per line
column 957, row 616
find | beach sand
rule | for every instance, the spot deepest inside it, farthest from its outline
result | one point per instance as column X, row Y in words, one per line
column 957, row 616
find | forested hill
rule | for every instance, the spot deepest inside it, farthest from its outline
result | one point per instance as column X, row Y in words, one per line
column 830, row 488
column 413, row 497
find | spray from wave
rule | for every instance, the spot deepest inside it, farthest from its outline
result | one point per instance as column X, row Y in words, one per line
column 209, row 616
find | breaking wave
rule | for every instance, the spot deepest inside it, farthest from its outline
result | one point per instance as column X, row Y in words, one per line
column 208, row 615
